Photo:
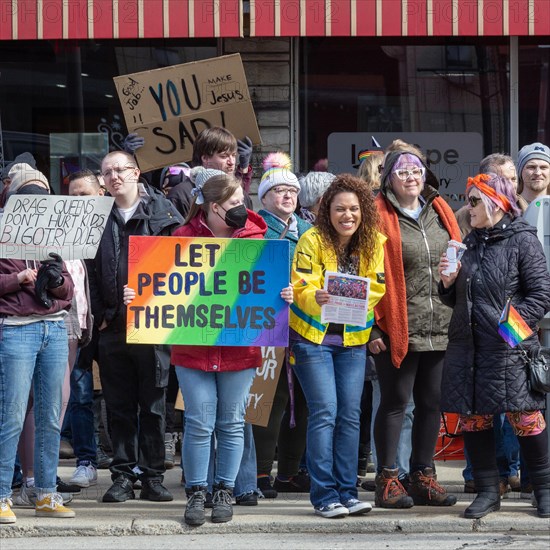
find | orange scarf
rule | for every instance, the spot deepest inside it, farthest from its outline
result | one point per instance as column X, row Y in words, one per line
column 391, row 311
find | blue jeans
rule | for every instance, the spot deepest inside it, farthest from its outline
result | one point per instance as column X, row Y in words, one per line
column 37, row 355
column 214, row 402
column 332, row 379
column 404, row 449
column 246, row 481
column 81, row 415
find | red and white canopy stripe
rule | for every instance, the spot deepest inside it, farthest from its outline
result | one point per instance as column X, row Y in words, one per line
column 399, row 17
column 99, row 19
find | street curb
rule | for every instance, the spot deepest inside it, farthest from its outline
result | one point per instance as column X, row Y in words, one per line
column 421, row 523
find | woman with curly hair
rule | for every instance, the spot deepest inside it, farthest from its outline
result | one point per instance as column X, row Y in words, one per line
column 410, row 335
column 329, row 358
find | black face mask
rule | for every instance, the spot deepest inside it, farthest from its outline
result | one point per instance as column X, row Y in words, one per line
column 236, row 217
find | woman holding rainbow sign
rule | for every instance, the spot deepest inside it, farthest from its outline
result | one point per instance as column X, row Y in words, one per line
column 499, row 292
column 215, row 380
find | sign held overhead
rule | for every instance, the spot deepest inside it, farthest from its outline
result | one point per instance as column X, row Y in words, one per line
column 169, row 107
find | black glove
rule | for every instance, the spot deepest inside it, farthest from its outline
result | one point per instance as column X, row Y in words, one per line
column 49, row 276
column 244, row 150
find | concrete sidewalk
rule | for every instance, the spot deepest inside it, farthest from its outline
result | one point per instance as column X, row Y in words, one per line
column 288, row 513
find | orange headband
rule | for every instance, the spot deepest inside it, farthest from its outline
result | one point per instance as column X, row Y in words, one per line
column 498, row 198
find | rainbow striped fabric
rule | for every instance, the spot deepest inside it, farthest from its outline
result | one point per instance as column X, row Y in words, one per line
column 512, row 327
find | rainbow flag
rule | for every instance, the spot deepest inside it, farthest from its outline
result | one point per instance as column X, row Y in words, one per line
column 512, row 327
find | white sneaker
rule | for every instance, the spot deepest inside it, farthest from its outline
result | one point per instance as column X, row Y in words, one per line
column 26, row 497
column 334, row 510
column 84, row 476
column 356, row 507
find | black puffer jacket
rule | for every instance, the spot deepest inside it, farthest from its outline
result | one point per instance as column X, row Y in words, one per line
column 482, row 373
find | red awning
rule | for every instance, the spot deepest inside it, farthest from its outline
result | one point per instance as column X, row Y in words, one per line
column 96, row 19
column 400, row 18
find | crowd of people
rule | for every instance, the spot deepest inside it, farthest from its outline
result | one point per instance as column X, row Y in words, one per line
column 347, row 395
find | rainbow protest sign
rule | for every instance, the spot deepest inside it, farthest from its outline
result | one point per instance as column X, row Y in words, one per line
column 208, row 292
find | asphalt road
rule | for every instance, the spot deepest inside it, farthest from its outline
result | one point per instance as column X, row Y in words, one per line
column 271, row 541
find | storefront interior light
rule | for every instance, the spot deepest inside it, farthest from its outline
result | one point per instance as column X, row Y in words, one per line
column 61, row 85
column 109, row 96
column 84, row 74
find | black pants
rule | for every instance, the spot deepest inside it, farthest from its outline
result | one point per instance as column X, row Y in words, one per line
column 420, row 373
column 137, row 406
column 290, row 442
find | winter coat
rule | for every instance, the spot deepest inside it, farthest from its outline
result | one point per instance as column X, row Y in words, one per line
column 20, row 300
column 411, row 314
column 219, row 358
column 108, row 272
column 482, row 373
column 312, row 259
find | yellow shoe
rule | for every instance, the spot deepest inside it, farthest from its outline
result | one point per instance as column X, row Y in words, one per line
column 6, row 515
column 51, row 506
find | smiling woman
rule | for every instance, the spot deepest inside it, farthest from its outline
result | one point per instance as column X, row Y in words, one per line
column 410, row 335
column 329, row 358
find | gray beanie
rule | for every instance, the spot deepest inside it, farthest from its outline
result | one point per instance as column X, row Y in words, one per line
column 532, row 151
column 313, row 186
column 200, row 175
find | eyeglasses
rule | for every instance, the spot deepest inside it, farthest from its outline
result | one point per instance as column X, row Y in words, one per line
column 403, row 174
column 474, row 201
column 108, row 174
column 284, row 190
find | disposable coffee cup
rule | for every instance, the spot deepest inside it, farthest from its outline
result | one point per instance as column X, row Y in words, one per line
column 455, row 250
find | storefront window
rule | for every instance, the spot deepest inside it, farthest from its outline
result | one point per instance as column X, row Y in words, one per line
column 534, row 92
column 409, row 89
column 58, row 87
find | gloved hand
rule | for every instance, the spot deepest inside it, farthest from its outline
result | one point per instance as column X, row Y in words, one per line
column 132, row 142
column 49, row 276
column 244, row 150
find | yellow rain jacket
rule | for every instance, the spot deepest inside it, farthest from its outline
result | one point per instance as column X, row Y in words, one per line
column 312, row 259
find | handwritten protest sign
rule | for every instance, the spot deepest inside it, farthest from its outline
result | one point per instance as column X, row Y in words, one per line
column 262, row 392
column 32, row 226
column 207, row 292
column 169, row 107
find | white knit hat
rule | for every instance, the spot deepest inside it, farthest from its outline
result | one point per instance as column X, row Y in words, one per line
column 21, row 174
column 274, row 177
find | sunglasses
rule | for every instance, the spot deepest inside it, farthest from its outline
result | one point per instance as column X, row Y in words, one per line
column 474, row 201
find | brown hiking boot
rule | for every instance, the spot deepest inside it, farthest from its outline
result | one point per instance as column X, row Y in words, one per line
column 426, row 491
column 389, row 492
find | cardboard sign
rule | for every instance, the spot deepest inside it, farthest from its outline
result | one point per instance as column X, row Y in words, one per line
column 207, row 292
column 32, row 226
column 169, row 107
column 262, row 392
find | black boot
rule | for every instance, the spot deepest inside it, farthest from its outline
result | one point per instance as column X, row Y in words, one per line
column 194, row 511
column 222, row 503
column 481, row 450
column 534, row 449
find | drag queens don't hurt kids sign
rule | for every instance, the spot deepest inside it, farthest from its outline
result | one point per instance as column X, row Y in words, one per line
column 207, row 292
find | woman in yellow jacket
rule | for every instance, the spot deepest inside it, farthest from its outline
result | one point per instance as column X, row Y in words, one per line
column 329, row 358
